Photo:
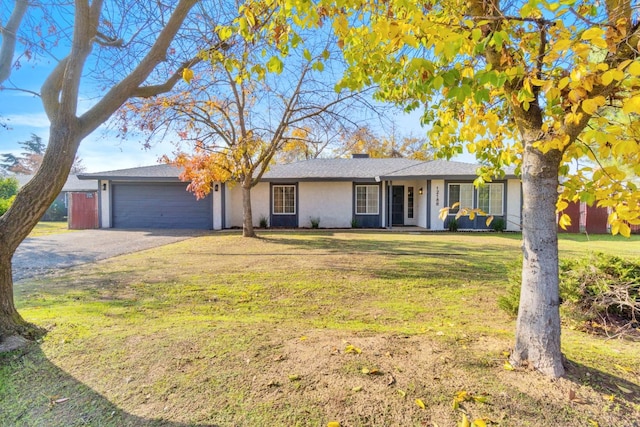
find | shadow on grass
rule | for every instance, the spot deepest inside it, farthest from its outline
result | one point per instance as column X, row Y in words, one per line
column 603, row 382
column 35, row 392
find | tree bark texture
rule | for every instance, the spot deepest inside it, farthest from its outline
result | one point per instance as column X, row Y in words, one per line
column 60, row 94
column 538, row 325
column 247, row 217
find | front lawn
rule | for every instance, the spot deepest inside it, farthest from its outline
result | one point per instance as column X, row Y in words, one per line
column 45, row 228
column 361, row 328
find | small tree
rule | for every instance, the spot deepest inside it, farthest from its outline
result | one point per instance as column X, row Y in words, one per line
column 245, row 104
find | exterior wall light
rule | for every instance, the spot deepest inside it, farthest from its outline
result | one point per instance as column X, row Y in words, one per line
column 420, row 191
column 215, row 187
column 104, row 186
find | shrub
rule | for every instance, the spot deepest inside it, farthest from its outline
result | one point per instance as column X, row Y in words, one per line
column 5, row 204
column 595, row 288
column 498, row 224
column 264, row 222
column 315, row 222
column 8, row 187
column 452, row 224
column 354, row 223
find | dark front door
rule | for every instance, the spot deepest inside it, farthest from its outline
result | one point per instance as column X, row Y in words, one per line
column 397, row 205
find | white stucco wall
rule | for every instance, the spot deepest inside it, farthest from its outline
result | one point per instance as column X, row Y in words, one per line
column 233, row 204
column 104, row 203
column 514, row 203
column 330, row 201
column 437, row 203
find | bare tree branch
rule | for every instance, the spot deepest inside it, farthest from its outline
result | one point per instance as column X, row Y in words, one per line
column 9, row 36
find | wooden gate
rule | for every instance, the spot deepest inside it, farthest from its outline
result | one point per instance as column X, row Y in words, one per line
column 83, row 210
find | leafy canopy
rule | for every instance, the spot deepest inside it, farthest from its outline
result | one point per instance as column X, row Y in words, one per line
column 553, row 76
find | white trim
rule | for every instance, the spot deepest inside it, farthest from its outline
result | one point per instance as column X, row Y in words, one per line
column 488, row 188
column 377, row 188
column 273, row 194
column 473, row 196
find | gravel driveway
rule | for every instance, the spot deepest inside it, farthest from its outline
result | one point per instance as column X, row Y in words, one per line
column 38, row 255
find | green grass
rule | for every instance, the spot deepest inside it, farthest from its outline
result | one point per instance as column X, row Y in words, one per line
column 208, row 331
column 45, row 228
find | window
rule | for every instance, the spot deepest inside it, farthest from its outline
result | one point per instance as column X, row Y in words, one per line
column 490, row 199
column 410, row 202
column 284, row 199
column 462, row 193
column 366, row 199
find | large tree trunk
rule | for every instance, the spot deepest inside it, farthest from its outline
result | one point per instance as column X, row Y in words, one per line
column 11, row 323
column 247, row 215
column 30, row 204
column 538, row 325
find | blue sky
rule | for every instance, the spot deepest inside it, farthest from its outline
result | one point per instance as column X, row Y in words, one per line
column 24, row 115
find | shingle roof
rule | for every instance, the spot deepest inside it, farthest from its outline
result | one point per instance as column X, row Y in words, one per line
column 145, row 173
column 335, row 169
column 364, row 169
column 72, row 183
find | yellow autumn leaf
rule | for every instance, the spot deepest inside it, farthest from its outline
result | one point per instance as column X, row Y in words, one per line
column 479, row 423
column 421, row 404
column 607, row 77
column 465, row 421
column 565, row 221
column 631, row 105
column 634, row 68
column 508, row 366
column 592, row 33
column 333, row 424
column 489, row 220
column 187, row 74
column 561, row 205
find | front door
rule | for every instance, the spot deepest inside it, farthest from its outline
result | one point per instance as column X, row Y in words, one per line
column 397, row 205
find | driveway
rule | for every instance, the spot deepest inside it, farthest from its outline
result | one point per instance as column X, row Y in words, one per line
column 39, row 255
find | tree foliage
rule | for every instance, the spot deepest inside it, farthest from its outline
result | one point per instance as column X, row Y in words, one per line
column 30, row 159
column 8, row 190
column 536, row 84
column 246, row 102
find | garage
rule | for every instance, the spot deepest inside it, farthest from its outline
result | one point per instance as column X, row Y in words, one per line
column 159, row 205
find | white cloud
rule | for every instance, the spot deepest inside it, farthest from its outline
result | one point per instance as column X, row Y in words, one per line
column 32, row 120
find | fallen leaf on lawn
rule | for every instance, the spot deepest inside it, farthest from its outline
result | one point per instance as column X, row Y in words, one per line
column 61, row 400
column 508, row 366
column 302, row 338
column 279, row 358
column 593, row 423
column 465, row 421
column 365, row 371
column 294, row 377
column 333, row 424
column 402, row 393
column 480, row 422
column 573, row 397
column 357, row 389
column 352, row 349
column 624, row 389
column 610, row 398
column 421, row 404
column 480, row 399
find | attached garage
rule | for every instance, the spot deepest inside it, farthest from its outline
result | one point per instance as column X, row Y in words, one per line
column 158, row 205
